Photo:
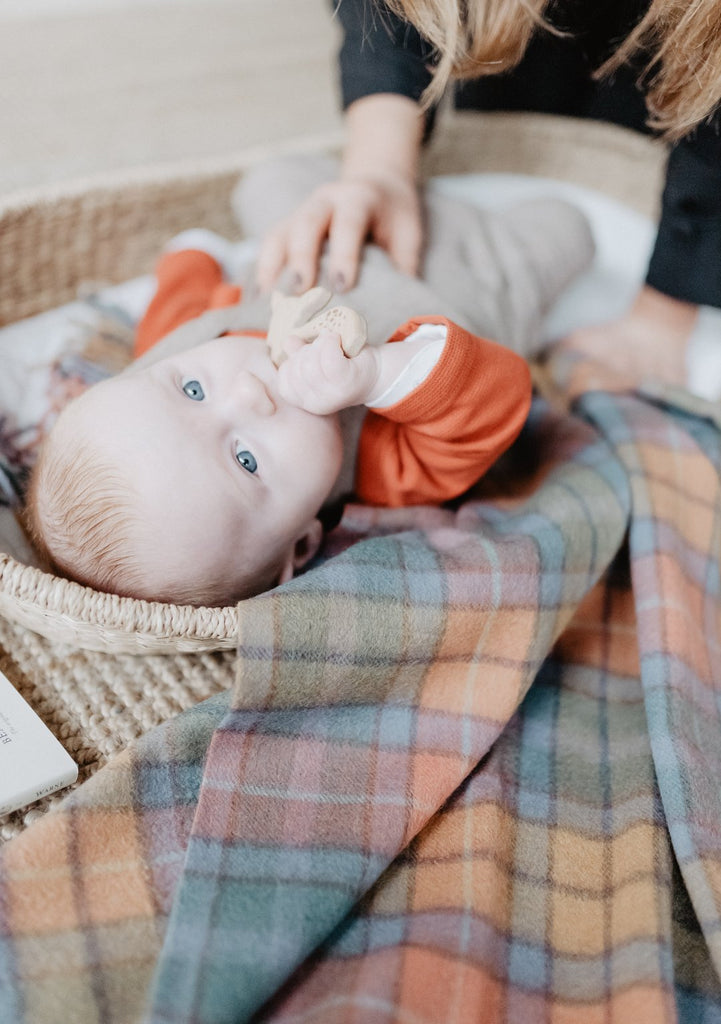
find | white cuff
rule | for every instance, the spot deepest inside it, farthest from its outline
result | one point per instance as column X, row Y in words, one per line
column 418, row 368
column 703, row 355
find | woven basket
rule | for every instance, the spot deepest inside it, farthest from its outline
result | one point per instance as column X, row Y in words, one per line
column 71, row 651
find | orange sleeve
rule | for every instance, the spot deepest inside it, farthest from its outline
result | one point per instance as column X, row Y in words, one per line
column 189, row 282
column 441, row 438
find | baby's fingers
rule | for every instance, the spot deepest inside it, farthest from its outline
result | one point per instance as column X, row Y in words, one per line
column 345, row 380
column 325, row 363
column 292, row 344
column 300, row 378
column 315, row 377
column 291, row 384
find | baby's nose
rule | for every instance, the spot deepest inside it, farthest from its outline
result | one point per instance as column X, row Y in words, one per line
column 253, row 393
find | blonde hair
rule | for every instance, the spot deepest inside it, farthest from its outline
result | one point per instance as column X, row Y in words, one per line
column 472, row 37
column 83, row 521
column 80, row 520
column 680, row 40
column 684, row 71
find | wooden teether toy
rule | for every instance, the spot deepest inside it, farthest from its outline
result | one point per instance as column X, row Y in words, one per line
column 301, row 315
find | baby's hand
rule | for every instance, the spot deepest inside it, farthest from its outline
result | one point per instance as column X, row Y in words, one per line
column 321, row 379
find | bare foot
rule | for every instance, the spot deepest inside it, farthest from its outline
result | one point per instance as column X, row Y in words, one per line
column 650, row 341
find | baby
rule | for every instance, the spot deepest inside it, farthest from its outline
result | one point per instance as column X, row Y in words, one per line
column 199, row 478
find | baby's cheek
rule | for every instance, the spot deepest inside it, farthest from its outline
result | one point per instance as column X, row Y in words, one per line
column 319, row 449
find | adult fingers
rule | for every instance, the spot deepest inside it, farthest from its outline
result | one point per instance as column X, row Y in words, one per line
column 272, row 257
column 295, row 243
column 348, row 231
column 308, row 230
column 404, row 241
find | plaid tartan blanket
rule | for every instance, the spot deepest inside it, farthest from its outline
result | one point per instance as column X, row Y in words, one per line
column 469, row 772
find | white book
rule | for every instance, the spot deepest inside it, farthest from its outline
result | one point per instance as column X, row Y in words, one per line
column 32, row 762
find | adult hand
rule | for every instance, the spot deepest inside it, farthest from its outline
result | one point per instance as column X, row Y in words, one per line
column 650, row 340
column 384, row 208
column 376, row 198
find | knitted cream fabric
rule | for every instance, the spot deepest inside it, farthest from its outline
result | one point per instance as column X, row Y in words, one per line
column 96, row 703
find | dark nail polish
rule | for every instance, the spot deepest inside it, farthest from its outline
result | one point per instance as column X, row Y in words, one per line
column 338, row 282
column 296, row 283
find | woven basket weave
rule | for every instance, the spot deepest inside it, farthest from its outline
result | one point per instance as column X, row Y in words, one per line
column 72, row 652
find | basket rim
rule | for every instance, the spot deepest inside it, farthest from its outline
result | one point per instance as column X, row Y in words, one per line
column 68, row 612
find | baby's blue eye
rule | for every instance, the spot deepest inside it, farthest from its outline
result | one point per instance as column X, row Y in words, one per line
column 247, row 460
column 194, row 390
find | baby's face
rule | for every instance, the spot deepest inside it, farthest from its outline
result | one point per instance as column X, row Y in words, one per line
column 227, row 472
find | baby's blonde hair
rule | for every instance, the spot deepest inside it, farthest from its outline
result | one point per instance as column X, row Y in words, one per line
column 82, row 517
column 679, row 41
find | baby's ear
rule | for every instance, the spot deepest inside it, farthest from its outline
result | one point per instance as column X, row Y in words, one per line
column 304, row 548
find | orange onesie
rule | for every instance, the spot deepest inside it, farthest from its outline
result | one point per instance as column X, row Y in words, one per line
column 427, row 448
